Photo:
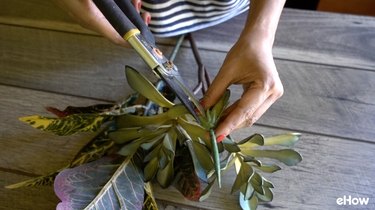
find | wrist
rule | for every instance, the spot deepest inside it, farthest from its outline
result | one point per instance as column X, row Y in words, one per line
column 258, row 37
column 262, row 21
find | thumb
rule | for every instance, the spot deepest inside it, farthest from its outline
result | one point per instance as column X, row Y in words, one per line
column 215, row 90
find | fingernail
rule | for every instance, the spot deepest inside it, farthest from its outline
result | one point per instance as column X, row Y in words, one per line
column 148, row 19
column 220, row 138
column 202, row 102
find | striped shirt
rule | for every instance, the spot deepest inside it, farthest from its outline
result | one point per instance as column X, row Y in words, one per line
column 175, row 17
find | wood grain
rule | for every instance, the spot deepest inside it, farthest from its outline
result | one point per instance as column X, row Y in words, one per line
column 26, row 149
column 307, row 36
column 318, row 98
column 39, row 10
column 326, row 62
column 39, row 198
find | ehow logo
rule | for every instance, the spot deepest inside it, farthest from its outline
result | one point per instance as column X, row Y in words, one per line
column 349, row 200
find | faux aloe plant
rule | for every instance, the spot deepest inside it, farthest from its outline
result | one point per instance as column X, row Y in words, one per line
column 148, row 137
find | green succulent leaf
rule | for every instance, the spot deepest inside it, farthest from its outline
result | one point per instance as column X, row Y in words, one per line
column 268, row 168
column 194, row 130
column 251, row 141
column 229, row 161
column 128, row 120
column 267, row 195
column 207, row 191
column 154, row 153
column 169, row 141
column 150, row 169
column 165, row 176
column 249, row 159
column 152, row 143
column 67, row 125
column 250, row 204
column 230, row 145
column 124, row 135
column 257, row 183
column 248, row 191
column 243, row 175
column 130, row 149
column 143, row 86
column 219, row 107
column 287, row 156
column 288, row 139
column 267, row 183
column 202, row 155
column 199, row 169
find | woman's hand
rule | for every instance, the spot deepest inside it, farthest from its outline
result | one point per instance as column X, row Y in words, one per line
column 249, row 63
column 254, row 68
column 89, row 16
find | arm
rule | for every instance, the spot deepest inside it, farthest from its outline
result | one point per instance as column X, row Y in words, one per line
column 89, row 16
column 250, row 63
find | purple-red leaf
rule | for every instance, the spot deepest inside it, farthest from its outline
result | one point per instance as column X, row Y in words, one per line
column 103, row 184
column 188, row 182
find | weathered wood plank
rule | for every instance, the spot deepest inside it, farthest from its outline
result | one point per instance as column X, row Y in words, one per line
column 26, row 149
column 318, row 37
column 38, row 10
column 317, row 98
column 38, row 198
column 308, row 36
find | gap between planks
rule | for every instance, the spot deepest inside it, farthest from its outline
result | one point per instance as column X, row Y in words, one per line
column 285, row 47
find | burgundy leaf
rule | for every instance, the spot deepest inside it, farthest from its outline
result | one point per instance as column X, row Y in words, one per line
column 188, row 182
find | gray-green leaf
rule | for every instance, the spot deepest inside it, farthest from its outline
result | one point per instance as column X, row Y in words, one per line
column 287, row 156
column 288, row 139
column 143, row 86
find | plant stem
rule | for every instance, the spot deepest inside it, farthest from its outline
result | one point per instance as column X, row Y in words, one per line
column 215, row 152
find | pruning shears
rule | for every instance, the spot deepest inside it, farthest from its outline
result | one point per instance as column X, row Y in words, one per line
column 124, row 18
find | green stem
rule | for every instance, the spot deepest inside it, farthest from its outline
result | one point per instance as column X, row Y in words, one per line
column 176, row 48
column 215, row 152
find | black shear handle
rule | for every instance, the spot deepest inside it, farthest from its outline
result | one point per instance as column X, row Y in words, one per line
column 122, row 15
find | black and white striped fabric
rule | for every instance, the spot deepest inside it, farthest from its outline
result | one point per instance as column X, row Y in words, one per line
column 175, row 17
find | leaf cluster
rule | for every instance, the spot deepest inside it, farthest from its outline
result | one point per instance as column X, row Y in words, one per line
column 169, row 146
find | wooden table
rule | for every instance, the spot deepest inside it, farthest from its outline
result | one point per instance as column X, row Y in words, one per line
column 326, row 62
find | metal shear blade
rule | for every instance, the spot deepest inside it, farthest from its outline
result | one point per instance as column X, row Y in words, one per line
column 174, row 81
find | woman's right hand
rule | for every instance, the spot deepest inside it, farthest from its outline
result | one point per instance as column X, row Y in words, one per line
column 89, row 16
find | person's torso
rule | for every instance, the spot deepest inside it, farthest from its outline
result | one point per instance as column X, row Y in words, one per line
column 174, row 17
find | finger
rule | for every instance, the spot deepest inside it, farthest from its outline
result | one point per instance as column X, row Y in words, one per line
column 251, row 100
column 100, row 23
column 276, row 94
column 250, row 120
column 137, row 4
column 228, row 110
column 215, row 90
column 146, row 17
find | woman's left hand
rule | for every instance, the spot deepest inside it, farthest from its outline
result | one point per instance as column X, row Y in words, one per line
column 250, row 64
